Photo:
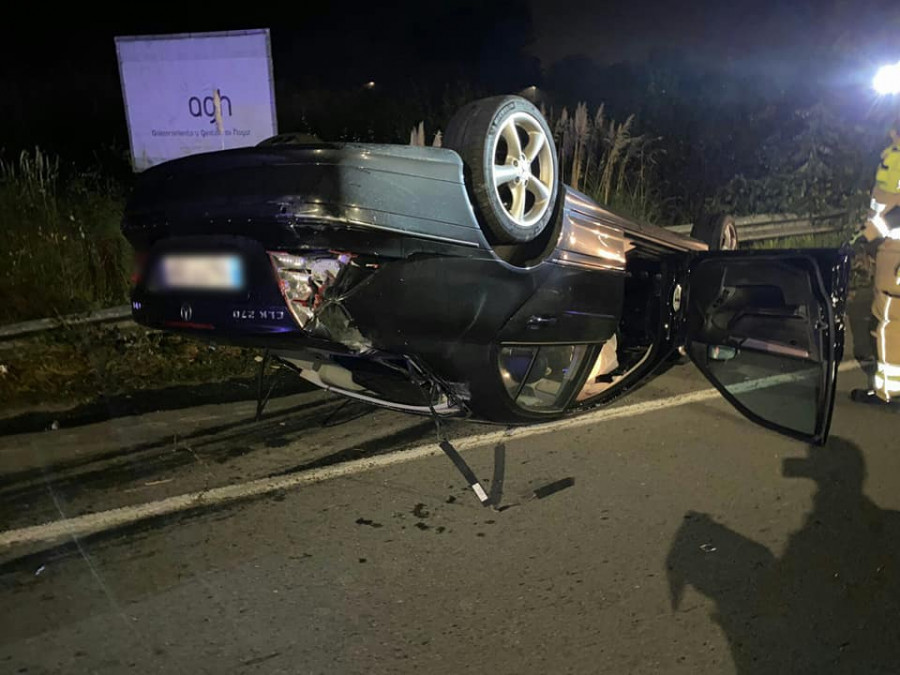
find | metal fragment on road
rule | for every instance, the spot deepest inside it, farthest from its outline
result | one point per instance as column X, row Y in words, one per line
column 465, row 470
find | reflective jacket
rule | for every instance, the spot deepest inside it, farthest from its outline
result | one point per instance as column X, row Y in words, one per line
column 888, row 175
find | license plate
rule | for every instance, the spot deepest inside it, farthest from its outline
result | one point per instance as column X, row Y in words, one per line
column 203, row 272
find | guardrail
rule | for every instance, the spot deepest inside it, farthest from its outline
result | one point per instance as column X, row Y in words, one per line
column 779, row 225
column 750, row 228
column 18, row 330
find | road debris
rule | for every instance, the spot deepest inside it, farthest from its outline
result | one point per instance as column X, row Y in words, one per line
column 366, row 521
column 554, row 487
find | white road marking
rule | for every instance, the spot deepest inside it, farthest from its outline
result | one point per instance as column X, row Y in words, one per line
column 92, row 523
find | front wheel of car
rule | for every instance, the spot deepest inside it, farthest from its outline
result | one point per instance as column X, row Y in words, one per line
column 511, row 166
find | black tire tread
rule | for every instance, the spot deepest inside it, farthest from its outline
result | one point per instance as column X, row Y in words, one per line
column 466, row 133
column 708, row 228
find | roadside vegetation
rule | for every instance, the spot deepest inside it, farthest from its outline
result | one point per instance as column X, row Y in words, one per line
column 608, row 160
column 62, row 253
column 60, row 244
column 70, row 366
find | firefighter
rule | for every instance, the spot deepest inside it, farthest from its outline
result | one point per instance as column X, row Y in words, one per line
column 883, row 225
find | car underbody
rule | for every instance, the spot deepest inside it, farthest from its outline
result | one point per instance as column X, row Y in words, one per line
column 469, row 282
column 320, row 267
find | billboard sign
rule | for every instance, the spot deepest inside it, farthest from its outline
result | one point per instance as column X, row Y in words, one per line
column 195, row 92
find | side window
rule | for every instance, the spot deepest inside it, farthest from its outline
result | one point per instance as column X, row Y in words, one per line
column 759, row 329
column 541, row 379
column 783, row 388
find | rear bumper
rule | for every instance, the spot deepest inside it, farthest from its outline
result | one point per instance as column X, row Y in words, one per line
column 254, row 316
column 304, row 197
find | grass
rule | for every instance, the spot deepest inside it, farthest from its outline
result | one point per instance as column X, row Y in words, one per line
column 606, row 160
column 81, row 364
column 823, row 240
column 60, row 247
column 61, row 252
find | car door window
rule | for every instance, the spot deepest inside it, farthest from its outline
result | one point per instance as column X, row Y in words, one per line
column 542, row 379
column 762, row 329
column 784, row 390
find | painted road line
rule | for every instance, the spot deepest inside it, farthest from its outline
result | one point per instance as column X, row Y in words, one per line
column 92, row 523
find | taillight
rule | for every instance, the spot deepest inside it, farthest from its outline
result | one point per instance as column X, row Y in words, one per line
column 304, row 279
column 139, row 262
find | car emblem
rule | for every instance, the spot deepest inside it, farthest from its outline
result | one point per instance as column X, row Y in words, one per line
column 676, row 298
column 186, row 312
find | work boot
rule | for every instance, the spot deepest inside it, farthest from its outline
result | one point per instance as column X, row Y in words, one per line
column 869, row 396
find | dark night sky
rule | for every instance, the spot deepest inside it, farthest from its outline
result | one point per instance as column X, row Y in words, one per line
column 56, row 74
column 747, row 33
column 614, row 31
column 357, row 37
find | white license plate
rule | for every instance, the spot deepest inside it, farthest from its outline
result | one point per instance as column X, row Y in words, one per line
column 203, row 272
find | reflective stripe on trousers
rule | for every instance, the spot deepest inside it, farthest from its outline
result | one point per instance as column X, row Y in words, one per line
column 887, row 375
column 886, row 308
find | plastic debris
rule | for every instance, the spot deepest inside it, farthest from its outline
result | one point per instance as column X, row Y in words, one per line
column 708, row 548
column 39, row 570
column 465, row 470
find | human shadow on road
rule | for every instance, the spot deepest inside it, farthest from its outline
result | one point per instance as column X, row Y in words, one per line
column 830, row 604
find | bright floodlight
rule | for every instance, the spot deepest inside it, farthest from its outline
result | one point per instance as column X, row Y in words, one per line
column 887, row 80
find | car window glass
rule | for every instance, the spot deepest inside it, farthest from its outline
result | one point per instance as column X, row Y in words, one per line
column 779, row 388
column 515, row 363
column 542, row 382
column 756, row 329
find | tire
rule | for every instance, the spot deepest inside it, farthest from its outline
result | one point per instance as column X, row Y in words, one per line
column 717, row 230
column 511, row 167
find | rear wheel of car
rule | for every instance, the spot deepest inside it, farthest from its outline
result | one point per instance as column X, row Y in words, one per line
column 717, row 230
column 511, row 166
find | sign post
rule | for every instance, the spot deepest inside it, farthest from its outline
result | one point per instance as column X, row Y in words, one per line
column 196, row 92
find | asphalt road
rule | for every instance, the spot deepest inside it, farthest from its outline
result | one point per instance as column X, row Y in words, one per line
column 666, row 538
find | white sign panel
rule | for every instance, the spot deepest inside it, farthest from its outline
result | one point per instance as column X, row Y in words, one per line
column 195, row 92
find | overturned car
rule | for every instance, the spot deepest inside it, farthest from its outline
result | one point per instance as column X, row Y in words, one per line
column 469, row 281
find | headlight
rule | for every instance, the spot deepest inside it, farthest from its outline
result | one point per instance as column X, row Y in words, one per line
column 887, row 80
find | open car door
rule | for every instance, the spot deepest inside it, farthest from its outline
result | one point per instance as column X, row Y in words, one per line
column 766, row 328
